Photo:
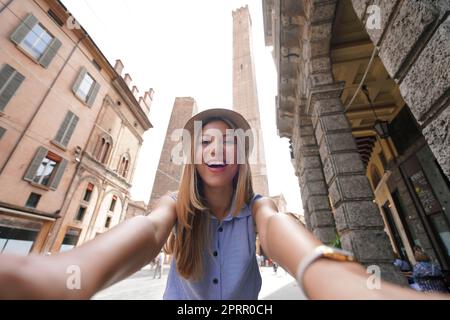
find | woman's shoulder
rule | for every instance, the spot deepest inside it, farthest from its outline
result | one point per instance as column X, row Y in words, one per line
column 260, row 199
column 253, row 199
column 257, row 199
column 256, row 196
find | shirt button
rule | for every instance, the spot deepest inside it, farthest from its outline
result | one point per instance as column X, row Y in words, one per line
column 215, row 281
column 220, row 229
column 215, row 253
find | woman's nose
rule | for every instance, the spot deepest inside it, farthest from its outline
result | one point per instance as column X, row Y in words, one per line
column 211, row 152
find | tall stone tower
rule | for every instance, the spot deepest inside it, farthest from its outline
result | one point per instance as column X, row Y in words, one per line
column 245, row 96
column 168, row 174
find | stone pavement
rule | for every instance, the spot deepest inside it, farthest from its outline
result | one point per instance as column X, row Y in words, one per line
column 280, row 286
column 142, row 286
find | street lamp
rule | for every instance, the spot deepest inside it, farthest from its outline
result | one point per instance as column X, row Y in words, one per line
column 381, row 127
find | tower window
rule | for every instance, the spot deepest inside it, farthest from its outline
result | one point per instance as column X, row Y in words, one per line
column 113, row 203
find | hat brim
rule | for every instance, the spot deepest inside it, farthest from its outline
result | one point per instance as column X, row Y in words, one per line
column 230, row 116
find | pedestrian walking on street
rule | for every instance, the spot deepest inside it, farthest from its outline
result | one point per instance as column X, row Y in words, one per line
column 427, row 275
column 210, row 225
column 158, row 265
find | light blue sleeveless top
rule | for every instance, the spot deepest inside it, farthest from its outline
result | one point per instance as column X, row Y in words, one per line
column 231, row 272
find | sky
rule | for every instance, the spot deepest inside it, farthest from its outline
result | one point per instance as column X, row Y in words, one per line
column 184, row 49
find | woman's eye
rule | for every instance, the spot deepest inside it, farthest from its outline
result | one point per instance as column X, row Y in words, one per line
column 205, row 142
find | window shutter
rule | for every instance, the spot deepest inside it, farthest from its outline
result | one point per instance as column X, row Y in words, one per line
column 80, row 78
column 93, row 94
column 58, row 174
column 23, row 29
column 66, row 129
column 70, row 130
column 63, row 127
column 50, row 53
column 10, row 80
column 5, row 74
column 34, row 165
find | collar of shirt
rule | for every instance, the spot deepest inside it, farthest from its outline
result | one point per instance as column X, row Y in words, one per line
column 244, row 212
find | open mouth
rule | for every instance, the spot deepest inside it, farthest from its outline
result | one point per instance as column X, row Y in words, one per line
column 216, row 165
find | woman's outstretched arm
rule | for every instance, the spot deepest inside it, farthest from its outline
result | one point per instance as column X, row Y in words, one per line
column 108, row 258
column 288, row 242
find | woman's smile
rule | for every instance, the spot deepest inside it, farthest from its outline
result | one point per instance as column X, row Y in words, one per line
column 217, row 167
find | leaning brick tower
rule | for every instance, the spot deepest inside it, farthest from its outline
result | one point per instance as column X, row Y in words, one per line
column 245, row 96
column 168, row 174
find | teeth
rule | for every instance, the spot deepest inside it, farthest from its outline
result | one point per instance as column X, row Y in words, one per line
column 216, row 164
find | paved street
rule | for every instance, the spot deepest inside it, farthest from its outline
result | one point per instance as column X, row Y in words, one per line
column 142, row 286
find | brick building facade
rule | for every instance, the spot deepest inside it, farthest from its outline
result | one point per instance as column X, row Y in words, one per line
column 70, row 131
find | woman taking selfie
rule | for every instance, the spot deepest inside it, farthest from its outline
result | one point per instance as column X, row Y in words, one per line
column 210, row 227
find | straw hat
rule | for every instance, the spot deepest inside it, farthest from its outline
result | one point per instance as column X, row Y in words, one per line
column 234, row 119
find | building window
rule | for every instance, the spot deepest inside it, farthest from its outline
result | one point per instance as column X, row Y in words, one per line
column 66, row 129
column 108, row 222
column 46, row 169
column 35, row 40
column 113, row 203
column 70, row 239
column 18, row 236
column 10, row 81
column 105, row 153
column 103, row 148
column 85, row 87
column 33, row 200
column 88, row 192
column 123, row 165
column 81, row 213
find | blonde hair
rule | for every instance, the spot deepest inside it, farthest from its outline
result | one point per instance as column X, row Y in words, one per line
column 188, row 243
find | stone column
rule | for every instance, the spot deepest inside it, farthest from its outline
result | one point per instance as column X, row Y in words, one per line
column 358, row 219
column 317, row 209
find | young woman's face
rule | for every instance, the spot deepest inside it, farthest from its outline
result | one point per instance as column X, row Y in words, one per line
column 218, row 164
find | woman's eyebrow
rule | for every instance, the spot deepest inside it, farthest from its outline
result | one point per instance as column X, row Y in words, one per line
column 224, row 135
